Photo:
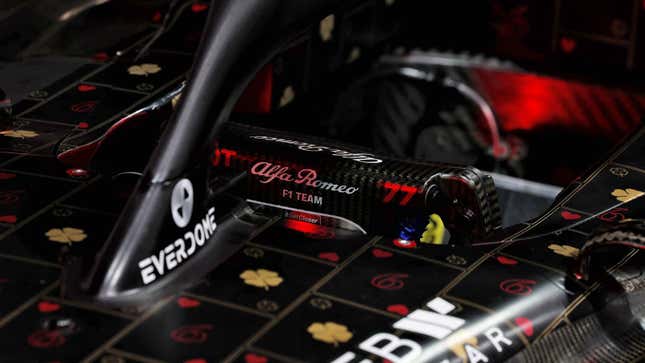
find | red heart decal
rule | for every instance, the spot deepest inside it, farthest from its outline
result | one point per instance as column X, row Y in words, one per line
column 525, row 324
column 187, row 303
column 85, row 87
column 329, row 256
column 7, row 176
column 77, row 173
column 196, row 360
column 48, row 307
column 401, row 243
column 156, row 17
column 569, row 216
column 254, row 358
column 399, row 309
column 102, row 56
column 567, row 45
column 379, row 253
column 83, row 125
column 506, row 261
column 198, row 7
column 8, row 219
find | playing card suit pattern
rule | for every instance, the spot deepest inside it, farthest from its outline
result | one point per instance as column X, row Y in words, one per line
column 567, row 45
column 570, row 216
column 330, row 332
column 287, row 96
column 144, row 69
column 520, row 287
column 461, row 337
column 84, row 107
column 329, row 256
column 198, row 7
column 8, row 219
column 101, row 56
column 77, row 173
column 399, row 309
column 48, row 307
column 506, row 260
column 85, row 88
column 525, row 324
column 156, row 17
column 19, row 134
column 66, row 235
column 404, row 244
column 187, row 303
column 564, row 250
column 261, row 278
column 379, row 253
column 327, row 28
column 191, row 334
column 175, row 101
column 255, row 358
column 46, row 339
column 626, row 195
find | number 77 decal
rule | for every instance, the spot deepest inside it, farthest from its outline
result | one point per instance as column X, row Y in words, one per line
column 394, row 189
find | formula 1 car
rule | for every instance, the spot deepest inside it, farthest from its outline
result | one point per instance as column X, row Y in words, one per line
column 280, row 199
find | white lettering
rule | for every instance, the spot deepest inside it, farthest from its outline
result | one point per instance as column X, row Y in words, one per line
column 374, row 345
column 440, row 305
column 158, row 262
column 474, row 355
column 348, row 357
column 496, row 336
column 180, row 252
column 211, row 218
column 191, row 237
column 305, row 146
column 199, row 234
column 147, row 271
column 175, row 253
column 268, row 172
column 206, row 226
column 428, row 323
column 170, row 257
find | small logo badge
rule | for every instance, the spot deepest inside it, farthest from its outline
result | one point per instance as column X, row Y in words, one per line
column 181, row 203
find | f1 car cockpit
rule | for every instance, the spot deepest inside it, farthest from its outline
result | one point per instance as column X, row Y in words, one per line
column 321, row 180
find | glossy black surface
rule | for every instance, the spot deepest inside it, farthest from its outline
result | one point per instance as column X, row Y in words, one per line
column 267, row 301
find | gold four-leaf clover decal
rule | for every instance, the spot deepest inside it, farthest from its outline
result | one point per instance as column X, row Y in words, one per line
column 19, row 134
column 626, row 195
column 461, row 337
column 66, row 235
column 144, row 69
column 330, row 332
column 564, row 250
column 261, row 278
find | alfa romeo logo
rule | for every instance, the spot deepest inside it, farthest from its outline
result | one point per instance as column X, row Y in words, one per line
column 181, row 202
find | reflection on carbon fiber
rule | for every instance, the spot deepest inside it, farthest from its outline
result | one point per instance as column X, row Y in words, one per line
column 586, row 341
column 597, row 338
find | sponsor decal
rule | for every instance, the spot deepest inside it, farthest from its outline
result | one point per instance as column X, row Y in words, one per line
column 180, row 250
column 435, row 323
column 305, row 146
column 269, row 172
column 181, row 203
column 302, row 197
